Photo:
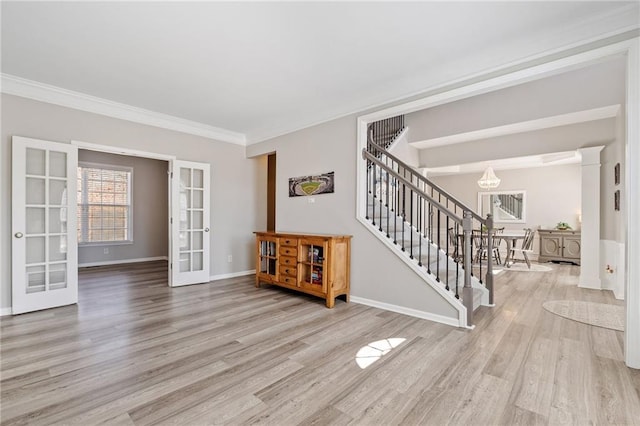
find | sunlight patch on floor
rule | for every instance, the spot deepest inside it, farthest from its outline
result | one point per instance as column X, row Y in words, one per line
column 369, row 354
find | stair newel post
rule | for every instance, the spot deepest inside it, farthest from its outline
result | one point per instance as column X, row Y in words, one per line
column 489, row 279
column 467, row 292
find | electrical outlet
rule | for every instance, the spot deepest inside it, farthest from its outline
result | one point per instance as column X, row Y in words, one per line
column 106, row 250
column 229, row 258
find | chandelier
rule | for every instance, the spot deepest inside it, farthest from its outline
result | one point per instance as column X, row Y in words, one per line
column 489, row 180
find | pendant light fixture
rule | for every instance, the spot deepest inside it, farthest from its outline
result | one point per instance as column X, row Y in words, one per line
column 489, row 180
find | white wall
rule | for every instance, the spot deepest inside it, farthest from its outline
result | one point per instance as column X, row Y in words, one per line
column 150, row 207
column 235, row 212
column 553, row 194
column 376, row 274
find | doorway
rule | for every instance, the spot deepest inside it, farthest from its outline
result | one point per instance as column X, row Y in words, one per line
column 271, row 192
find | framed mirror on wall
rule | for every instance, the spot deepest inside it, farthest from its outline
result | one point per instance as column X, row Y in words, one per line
column 505, row 206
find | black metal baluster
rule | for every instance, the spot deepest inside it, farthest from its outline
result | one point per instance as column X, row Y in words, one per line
column 483, row 247
column 411, row 224
column 404, row 215
column 387, row 202
column 438, row 251
column 457, row 260
column 420, row 200
column 380, row 200
column 373, row 204
column 395, row 212
column 430, row 232
column 447, row 256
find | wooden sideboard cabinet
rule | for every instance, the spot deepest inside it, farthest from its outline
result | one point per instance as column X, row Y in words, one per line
column 559, row 245
column 313, row 264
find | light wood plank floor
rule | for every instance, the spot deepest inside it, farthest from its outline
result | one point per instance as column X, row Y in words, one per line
column 134, row 351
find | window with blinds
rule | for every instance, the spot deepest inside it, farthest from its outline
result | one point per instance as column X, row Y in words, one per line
column 104, row 203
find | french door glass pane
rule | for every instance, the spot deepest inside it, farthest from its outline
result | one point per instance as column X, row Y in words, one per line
column 35, row 220
column 36, row 162
column 58, row 164
column 35, row 249
column 35, row 189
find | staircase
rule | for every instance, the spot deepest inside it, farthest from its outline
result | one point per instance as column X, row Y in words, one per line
column 427, row 226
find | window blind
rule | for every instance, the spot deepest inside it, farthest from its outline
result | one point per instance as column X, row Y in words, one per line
column 104, row 204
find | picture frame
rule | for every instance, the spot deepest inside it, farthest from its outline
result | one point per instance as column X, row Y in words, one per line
column 312, row 185
column 616, row 200
column 616, row 174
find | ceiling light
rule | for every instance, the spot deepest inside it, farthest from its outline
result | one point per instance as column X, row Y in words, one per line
column 489, row 180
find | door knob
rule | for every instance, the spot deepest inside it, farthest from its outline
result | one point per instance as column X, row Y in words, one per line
column 206, row 229
column 19, row 235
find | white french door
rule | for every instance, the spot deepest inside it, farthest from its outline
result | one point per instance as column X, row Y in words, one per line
column 44, row 225
column 189, row 223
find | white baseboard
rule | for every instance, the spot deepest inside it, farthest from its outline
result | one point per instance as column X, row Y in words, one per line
column 612, row 259
column 231, row 275
column 590, row 282
column 119, row 262
column 5, row 312
column 406, row 311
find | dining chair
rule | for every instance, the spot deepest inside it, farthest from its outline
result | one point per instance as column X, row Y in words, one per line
column 525, row 249
column 455, row 243
column 480, row 243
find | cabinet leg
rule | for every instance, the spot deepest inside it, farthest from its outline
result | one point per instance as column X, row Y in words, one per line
column 257, row 282
column 330, row 302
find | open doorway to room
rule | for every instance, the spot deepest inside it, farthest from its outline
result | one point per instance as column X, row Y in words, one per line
column 271, row 192
column 122, row 209
column 123, row 217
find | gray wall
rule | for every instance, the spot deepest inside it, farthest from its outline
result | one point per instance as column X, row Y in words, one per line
column 553, row 193
column 593, row 87
column 235, row 195
column 150, row 207
column 376, row 274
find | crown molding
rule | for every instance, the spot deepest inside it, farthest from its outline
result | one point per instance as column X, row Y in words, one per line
column 30, row 89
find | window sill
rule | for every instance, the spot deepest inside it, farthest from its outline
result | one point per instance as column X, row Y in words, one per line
column 106, row 243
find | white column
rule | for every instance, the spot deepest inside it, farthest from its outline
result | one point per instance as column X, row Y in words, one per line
column 590, row 230
column 632, row 201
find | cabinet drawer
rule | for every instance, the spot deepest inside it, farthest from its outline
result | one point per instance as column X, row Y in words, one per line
column 289, row 242
column 288, row 260
column 288, row 280
column 289, row 270
column 289, row 251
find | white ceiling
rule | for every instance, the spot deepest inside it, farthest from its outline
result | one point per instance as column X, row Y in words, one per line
column 264, row 69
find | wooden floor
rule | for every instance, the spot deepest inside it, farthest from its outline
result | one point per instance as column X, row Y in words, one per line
column 134, row 351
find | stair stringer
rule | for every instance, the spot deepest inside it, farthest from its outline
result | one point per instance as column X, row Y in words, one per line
column 447, row 295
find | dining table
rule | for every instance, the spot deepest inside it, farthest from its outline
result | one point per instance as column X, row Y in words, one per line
column 510, row 237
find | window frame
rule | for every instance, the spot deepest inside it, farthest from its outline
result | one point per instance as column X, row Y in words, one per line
column 114, row 167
